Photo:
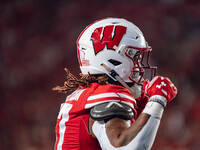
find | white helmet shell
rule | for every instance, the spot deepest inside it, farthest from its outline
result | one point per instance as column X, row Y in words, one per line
column 108, row 41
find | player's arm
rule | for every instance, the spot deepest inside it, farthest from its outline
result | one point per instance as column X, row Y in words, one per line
column 118, row 133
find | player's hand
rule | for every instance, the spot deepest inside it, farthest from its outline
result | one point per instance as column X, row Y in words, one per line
column 160, row 86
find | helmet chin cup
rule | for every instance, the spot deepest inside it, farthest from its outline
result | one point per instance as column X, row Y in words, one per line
column 137, row 90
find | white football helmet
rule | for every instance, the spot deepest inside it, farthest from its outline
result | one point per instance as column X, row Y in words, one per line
column 114, row 46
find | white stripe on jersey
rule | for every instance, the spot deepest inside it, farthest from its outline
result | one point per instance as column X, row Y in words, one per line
column 126, row 96
column 111, row 97
column 102, row 96
column 65, row 117
column 96, row 103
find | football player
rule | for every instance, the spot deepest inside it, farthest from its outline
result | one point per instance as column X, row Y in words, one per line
column 113, row 106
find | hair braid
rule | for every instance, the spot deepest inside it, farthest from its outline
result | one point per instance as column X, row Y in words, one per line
column 73, row 83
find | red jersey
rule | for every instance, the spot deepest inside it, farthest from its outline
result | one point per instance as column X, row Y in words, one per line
column 72, row 122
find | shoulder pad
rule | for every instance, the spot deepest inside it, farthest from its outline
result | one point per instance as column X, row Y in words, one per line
column 109, row 110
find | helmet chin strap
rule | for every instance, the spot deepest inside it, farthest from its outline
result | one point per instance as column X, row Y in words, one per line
column 134, row 90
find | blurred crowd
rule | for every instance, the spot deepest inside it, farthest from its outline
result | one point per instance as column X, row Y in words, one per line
column 38, row 40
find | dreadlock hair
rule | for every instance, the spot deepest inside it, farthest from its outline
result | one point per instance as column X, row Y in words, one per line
column 73, row 83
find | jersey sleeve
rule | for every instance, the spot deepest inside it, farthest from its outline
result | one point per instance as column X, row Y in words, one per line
column 108, row 93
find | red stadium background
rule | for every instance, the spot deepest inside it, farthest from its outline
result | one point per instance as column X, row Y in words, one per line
column 38, row 40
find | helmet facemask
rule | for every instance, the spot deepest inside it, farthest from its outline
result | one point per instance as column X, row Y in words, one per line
column 141, row 67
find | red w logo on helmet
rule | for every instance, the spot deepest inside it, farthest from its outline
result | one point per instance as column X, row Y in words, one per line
column 111, row 36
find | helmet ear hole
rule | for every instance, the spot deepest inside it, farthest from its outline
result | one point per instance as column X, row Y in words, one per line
column 114, row 62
